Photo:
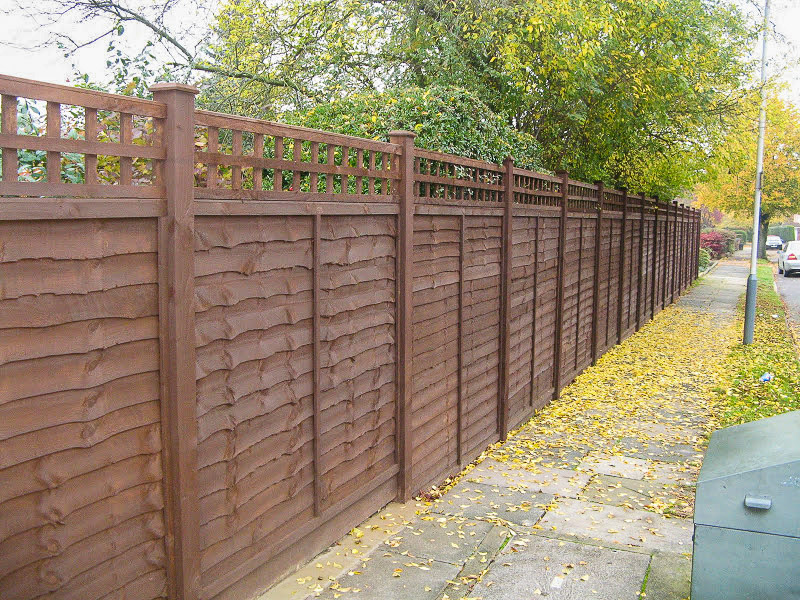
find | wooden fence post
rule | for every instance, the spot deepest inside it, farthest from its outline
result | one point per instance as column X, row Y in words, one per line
column 681, row 249
column 639, row 288
column 562, row 242
column 622, row 265
column 505, row 290
column 690, row 246
column 405, row 275
column 597, row 249
column 177, row 341
column 666, row 257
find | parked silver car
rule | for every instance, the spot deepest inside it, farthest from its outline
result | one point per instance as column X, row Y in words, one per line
column 789, row 258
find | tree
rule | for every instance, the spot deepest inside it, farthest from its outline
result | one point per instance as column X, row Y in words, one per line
column 729, row 183
column 445, row 119
column 633, row 92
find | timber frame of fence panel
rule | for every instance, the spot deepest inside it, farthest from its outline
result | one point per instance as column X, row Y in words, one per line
column 241, row 338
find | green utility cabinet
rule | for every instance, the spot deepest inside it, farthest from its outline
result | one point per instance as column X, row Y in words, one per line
column 747, row 513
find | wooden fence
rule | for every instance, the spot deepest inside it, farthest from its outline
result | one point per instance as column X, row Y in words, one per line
column 232, row 340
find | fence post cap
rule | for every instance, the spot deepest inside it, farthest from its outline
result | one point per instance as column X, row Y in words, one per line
column 402, row 133
column 599, row 182
column 562, row 173
column 169, row 86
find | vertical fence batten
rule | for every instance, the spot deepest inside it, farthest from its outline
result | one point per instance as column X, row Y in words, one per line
column 315, row 358
column 460, row 343
column 307, row 326
column 535, row 300
column 177, row 340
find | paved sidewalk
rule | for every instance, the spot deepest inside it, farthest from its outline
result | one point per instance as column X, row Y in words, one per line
column 592, row 498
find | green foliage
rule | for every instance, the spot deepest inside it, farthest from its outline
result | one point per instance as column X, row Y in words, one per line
column 633, row 92
column 746, row 235
column 704, row 258
column 772, row 351
column 786, row 232
column 445, row 119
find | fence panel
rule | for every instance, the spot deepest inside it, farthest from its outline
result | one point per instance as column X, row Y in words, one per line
column 226, row 341
column 81, row 494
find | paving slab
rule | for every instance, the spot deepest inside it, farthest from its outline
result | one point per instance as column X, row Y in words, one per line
column 445, row 538
column 476, row 565
column 619, row 466
column 539, row 479
column 617, row 525
column 670, row 576
column 663, row 451
column 391, row 576
column 632, row 493
column 478, row 500
column 562, row 570
column 673, row 473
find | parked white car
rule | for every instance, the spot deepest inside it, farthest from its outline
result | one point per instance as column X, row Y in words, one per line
column 774, row 242
column 789, row 258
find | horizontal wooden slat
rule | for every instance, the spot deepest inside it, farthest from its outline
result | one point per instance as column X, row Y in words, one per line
column 32, row 142
column 79, row 190
column 245, row 160
column 37, row 90
column 14, row 209
column 281, row 207
column 288, row 196
column 457, row 160
column 223, row 121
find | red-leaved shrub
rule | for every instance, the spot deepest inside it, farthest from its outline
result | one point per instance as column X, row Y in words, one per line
column 715, row 242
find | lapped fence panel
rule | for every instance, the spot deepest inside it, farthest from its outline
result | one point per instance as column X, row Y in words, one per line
column 81, row 497
column 363, row 319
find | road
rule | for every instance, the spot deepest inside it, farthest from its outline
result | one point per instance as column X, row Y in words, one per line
column 789, row 289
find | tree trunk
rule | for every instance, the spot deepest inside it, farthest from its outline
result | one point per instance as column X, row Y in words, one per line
column 762, row 236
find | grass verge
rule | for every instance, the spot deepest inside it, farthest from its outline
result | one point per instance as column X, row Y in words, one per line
column 746, row 397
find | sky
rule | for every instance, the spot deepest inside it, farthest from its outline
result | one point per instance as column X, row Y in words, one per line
column 22, row 55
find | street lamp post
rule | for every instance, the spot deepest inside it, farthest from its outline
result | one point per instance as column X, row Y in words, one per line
column 752, row 280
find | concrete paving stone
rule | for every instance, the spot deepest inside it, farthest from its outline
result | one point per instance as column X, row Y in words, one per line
column 680, row 421
column 391, row 576
column 619, row 466
column 562, row 570
column 343, row 556
column 618, row 525
column 619, row 491
column 563, row 457
column 476, row 564
column 673, row 473
column 670, row 576
column 446, row 538
column 476, row 500
column 658, row 450
column 547, row 480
